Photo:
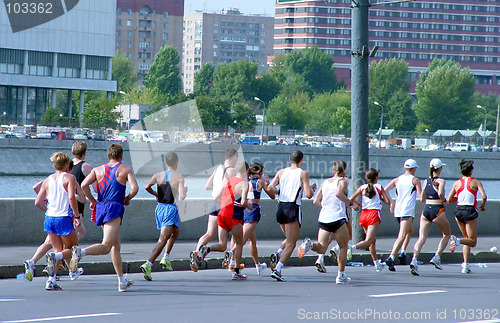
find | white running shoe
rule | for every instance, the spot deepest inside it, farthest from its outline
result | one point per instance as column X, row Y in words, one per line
column 49, row 285
column 379, row 265
column 414, row 267
column 349, row 252
column 465, row 268
column 453, row 243
column 304, row 247
column 76, row 255
column 320, row 266
column 343, row 280
column 334, row 252
column 436, row 261
column 260, row 268
column 124, row 287
column 51, row 263
column 29, row 269
column 236, row 276
column 76, row 274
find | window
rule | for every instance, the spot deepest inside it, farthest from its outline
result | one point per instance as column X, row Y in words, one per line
column 118, row 33
column 129, row 33
column 129, row 23
column 165, row 25
column 118, row 44
column 130, row 12
column 165, row 14
column 129, row 44
column 144, row 45
column 119, row 22
column 164, row 36
column 119, row 11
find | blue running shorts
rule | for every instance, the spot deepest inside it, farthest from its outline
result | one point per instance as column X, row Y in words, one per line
column 166, row 214
column 252, row 216
column 60, row 225
column 107, row 211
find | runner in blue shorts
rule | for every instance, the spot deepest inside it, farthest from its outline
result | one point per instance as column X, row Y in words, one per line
column 111, row 181
column 169, row 187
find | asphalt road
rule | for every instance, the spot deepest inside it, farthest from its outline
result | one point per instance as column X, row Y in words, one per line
column 211, row 296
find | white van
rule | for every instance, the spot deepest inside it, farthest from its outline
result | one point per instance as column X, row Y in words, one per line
column 142, row 136
column 460, row 146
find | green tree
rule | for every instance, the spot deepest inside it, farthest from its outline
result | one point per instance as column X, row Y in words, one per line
column 101, row 113
column 164, row 74
column 51, row 117
column 236, row 80
column 389, row 86
column 244, row 117
column 123, row 73
column 289, row 111
column 444, row 96
column 315, row 66
column 214, row 111
column 204, row 79
column 329, row 113
column 268, row 86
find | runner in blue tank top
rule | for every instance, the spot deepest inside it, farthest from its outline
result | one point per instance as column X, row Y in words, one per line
column 170, row 186
column 112, row 179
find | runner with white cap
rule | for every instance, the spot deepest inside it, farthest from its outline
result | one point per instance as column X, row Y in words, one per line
column 435, row 201
column 407, row 187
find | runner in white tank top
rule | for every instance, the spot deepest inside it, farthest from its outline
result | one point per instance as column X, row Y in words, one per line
column 407, row 186
column 293, row 182
column 372, row 196
column 57, row 197
column 332, row 219
column 464, row 192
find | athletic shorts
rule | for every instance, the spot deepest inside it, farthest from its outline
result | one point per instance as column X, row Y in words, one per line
column 60, row 225
column 332, row 226
column 214, row 208
column 465, row 213
column 252, row 216
column 403, row 218
column 227, row 222
column 288, row 212
column 432, row 211
column 107, row 211
column 369, row 217
column 166, row 214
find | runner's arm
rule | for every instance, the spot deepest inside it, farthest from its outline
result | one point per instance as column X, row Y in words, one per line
column 39, row 201
column 149, row 186
column 91, row 178
column 483, row 195
column 306, row 184
column 451, row 196
column 418, row 186
column 319, row 196
column 266, row 189
column 134, row 188
column 181, row 188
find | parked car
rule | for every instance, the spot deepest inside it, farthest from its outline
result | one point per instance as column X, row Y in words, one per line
column 44, row 136
column 460, row 146
column 117, row 139
column 21, row 135
column 7, row 136
column 80, row 137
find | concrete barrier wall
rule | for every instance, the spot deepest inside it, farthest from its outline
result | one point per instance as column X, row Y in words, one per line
column 31, row 157
column 22, row 223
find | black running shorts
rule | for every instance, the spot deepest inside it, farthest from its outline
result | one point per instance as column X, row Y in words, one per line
column 288, row 212
column 465, row 213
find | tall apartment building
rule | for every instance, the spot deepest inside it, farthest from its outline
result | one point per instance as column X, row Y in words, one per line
column 143, row 27
column 69, row 50
column 223, row 37
column 466, row 31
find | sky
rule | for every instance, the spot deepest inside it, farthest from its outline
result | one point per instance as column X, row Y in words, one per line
column 245, row 6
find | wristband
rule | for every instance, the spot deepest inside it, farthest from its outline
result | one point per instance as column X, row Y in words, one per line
column 77, row 217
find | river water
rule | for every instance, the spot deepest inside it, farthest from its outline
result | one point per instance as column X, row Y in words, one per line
column 21, row 187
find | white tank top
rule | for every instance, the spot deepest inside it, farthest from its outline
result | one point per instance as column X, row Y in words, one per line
column 406, row 196
column 465, row 194
column 58, row 202
column 218, row 180
column 332, row 209
column 374, row 203
column 291, row 186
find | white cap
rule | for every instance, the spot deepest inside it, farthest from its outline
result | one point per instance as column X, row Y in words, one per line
column 436, row 163
column 410, row 163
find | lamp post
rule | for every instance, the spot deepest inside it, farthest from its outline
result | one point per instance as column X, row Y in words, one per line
column 4, row 117
column 484, row 129
column 263, row 119
column 381, row 121
column 129, row 115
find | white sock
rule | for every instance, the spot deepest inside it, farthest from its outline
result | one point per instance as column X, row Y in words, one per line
column 279, row 266
column 166, row 255
column 336, row 249
column 392, row 257
column 437, row 256
column 321, row 258
column 149, row 264
column 353, row 247
column 280, row 251
column 340, row 274
column 52, row 279
column 376, row 262
column 58, row 255
column 122, row 280
column 402, row 251
column 457, row 241
column 83, row 253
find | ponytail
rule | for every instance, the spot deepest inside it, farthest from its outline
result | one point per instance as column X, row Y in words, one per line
column 371, row 176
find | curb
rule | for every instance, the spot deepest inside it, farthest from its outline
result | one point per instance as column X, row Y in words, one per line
column 132, row 267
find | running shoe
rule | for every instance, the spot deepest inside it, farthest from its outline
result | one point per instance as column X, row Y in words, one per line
column 465, row 268
column 379, row 266
column 402, row 258
column 63, row 266
column 76, row 255
column 227, row 259
column 414, row 267
column 453, row 243
column 390, row 264
column 146, row 270
column 343, row 280
column 260, row 268
column 124, row 287
column 76, row 274
column 277, row 275
column 29, row 269
column 202, row 253
column 45, row 271
column 51, row 263
column 193, row 262
column 231, row 266
column 320, row 266
column 236, row 276
column 165, row 264
column 49, row 285
column 436, row 261
column 349, row 252
column 304, row 247
column 275, row 258
column 334, row 252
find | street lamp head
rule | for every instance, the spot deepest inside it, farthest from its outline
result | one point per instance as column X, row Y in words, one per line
column 257, row 99
column 376, row 103
column 479, row 107
column 121, row 92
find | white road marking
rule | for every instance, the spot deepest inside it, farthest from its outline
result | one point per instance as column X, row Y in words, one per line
column 410, row 293
column 63, row 317
column 11, row 299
